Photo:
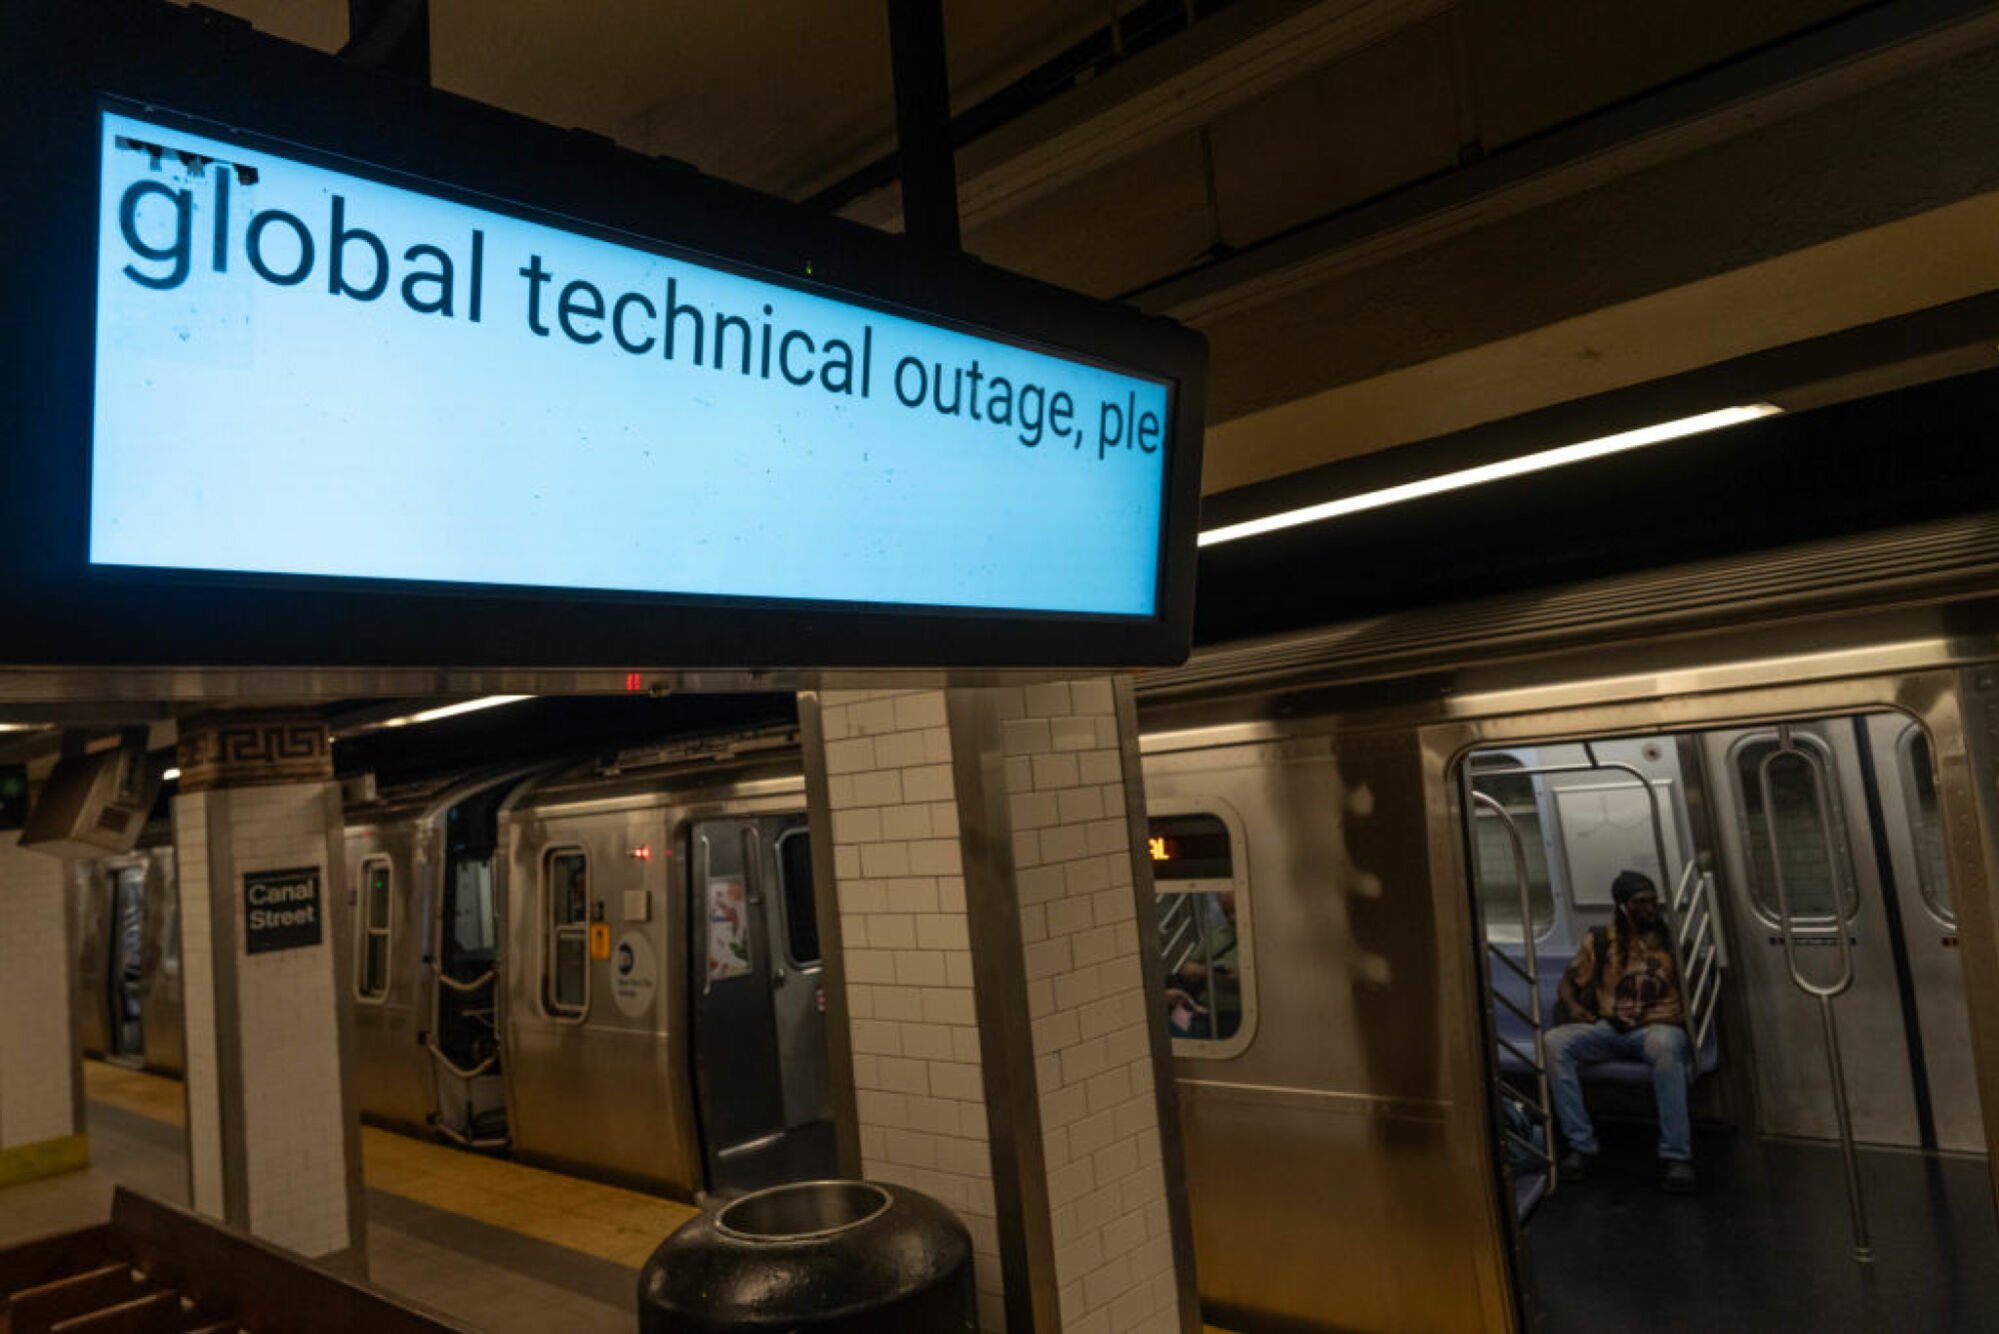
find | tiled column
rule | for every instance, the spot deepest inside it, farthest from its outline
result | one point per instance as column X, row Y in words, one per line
column 273, row 1133
column 1006, row 1055
column 41, row 1092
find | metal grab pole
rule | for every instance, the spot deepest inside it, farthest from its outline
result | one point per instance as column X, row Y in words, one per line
column 1531, row 974
column 1856, row 1202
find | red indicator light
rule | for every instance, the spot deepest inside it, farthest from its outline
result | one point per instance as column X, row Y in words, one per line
column 642, row 853
column 634, row 683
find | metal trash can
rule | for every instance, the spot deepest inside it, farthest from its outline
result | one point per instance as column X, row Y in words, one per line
column 820, row 1255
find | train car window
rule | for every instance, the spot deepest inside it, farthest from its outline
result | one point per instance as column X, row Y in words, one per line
column 1919, row 782
column 1797, row 782
column 377, row 898
column 801, row 912
column 1202, row 924
column 566, row 953
column 1499, row 888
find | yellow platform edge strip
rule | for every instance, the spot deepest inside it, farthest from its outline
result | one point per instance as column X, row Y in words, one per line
column 44, row 1158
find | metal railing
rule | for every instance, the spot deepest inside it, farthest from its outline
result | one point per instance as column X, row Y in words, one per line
column 1842, row 975
column 1178, row 934
column 1181, row 938
column 484, row 980
column 1698, row 939
column 1539, row 1108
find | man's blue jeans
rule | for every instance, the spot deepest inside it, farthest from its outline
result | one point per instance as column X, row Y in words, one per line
column 1664, row 1046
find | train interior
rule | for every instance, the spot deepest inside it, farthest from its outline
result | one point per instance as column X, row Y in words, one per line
column 1800, row 866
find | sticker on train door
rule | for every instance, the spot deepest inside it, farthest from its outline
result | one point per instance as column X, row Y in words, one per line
column 633, row 974
column 728, row 929
column 600, row 940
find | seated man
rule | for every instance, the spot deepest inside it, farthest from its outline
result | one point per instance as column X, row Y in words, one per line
column 1620, row 1000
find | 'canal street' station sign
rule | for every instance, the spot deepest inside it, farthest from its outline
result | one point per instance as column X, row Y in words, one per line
column 281, row 910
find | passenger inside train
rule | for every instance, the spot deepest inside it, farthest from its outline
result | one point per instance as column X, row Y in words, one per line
column 1763, row 967
column 1620, row 999
column 1209, row 972
column 1197, row 925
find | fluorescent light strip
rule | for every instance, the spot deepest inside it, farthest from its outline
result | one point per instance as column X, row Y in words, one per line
column 453, row 710
column 1493, row 472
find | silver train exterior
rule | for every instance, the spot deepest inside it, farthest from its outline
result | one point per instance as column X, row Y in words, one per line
column 1339, row 1146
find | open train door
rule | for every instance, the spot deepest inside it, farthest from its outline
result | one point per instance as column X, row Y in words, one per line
column 757, row 1024
column 464, row 1038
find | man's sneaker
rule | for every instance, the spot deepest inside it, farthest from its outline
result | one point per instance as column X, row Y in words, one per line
column 1676, row 1178
column 1575, row 1165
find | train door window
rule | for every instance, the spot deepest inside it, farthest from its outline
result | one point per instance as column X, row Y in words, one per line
column 801, row 913
column 1926, row 823
column 566, row 955
column 1518, row 805
column 1798, row 780
column 1200, row 883
column 377, row 879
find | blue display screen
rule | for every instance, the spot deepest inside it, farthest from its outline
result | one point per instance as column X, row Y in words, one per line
column 302, row 371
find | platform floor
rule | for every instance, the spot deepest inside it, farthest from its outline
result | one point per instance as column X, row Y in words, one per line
column 491, row 1244
column 1766, row 1243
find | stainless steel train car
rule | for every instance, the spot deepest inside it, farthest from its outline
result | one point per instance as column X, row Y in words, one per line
column 1374, row 849
column 523, row 941
column 1802, row 750
column 662, row 1018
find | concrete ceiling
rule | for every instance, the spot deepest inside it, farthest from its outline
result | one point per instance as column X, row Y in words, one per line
column 1403, row 205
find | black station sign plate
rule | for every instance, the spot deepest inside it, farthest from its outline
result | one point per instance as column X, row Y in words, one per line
column 282, row 910
column 311, row 367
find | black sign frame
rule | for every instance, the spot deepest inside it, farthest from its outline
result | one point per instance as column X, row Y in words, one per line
column 69, row 59
column 267, row 938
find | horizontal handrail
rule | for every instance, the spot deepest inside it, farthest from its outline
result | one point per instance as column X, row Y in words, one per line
column 1514, row 1137
column 1704, row 963
column 1707, row 1022
column 1507, row 959
column 1700, row 936
column 1525, row 1059
column 1510, row 1004
column 483, row 980
column 458, row 1069
column 1688, row 875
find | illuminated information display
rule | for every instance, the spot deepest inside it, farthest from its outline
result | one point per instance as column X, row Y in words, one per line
column 300, row 370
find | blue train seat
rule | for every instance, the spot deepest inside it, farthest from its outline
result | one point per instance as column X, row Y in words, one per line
column 1515, row 1031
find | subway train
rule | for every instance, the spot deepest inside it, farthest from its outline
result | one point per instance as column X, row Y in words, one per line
column 1374, row 849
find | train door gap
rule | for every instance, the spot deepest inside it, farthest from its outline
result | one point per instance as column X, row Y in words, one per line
column 464, row 1038
column 758, row 1046
column 1791, row 861
column 1891, row 916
